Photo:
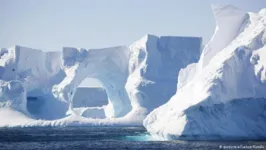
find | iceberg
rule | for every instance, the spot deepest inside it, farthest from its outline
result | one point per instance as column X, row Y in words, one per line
column 223, row 95
column 137, row 79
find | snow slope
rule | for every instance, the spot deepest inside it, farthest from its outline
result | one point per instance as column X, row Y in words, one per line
column 223, row 95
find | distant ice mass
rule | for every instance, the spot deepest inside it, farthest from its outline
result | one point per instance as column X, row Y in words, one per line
column 223, row 95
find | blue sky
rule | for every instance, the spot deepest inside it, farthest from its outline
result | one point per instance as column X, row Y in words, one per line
column 52, row 24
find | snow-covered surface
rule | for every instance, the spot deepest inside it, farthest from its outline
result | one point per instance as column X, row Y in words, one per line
column 223, row 95
column 136, row 78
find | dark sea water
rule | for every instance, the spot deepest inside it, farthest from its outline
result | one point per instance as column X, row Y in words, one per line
column 104, row 138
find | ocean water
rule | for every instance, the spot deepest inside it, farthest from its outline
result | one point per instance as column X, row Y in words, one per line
column 104, row 138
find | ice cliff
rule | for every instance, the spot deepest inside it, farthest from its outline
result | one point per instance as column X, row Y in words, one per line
column 223, row 95
column 38, row 88
column 153, row 69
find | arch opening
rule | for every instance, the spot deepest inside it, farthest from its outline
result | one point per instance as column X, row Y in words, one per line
column 90, row 99
column 103, row 65
column 114, row 86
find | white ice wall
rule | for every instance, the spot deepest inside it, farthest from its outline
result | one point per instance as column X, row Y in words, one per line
column 154, row 65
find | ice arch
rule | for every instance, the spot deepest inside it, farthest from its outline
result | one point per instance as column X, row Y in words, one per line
column 137, row 78
column 109, row 66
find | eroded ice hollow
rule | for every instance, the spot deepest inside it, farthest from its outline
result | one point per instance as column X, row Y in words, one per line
column 137, row 78
column 38, row 72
